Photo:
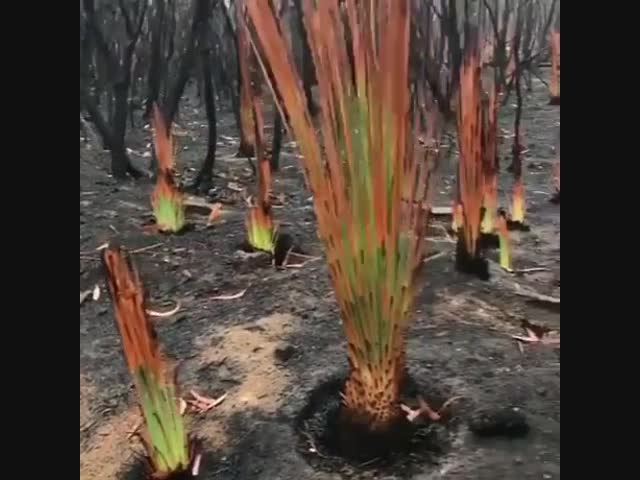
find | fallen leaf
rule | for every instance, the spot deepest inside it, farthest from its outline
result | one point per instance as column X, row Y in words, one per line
column 195, row 469
column 230, row 297
column 96, row 293
column 216, row 212
column 84, row 295
column 234, row 186
column 153, row 313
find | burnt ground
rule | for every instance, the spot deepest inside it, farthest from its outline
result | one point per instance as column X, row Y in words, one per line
column 460, row 342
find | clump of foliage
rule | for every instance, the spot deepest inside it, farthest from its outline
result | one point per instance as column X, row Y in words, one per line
column 369, row 186
column 261, row 231
column 166, row 200
column 170, row 453
column 517, row 205
column 471, row 178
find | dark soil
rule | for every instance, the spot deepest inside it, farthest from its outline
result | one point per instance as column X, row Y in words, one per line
column 460, row 342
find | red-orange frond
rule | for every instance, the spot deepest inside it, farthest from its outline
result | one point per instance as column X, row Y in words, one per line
column 245, row 57
column 162, row 141
column 518, row 206
column 166, row 199
column 139, row 342
column 505, row 243
column 264, row 166
column 490, row 166
column 470, row 169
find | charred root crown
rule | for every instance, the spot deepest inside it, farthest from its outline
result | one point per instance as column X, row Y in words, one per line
column 514, row 226
column 475, row 265
column 332, row 436
column 489, row 241
column 357, row 439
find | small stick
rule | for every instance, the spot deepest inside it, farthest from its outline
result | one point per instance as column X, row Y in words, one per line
column 433, row 257
column 148, row 247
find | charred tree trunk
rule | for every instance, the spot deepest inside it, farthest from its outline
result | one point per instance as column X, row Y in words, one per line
column 203, row 181
column 154, row 77
column 120, row 72
column 202, row 10
column 236, row 91
column 308, row 72
column 455, row 47
column 120, row 162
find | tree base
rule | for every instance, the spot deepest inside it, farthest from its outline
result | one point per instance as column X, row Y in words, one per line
column 284, row 244
column 355, row 440
column 489, row 241
column 517, row 226
column 330, row 440
column 465, row 263
column 141, row 471
column 186, row 228
column 141, row 468
column 555, row 199
column 555, row 101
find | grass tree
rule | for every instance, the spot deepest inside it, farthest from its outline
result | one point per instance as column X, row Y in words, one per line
column 171, row 454
column 166, row 200
column 369, row 186
column 471, row 175
column 261, row 230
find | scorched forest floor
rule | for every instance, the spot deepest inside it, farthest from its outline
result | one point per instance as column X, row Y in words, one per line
column 459, row 344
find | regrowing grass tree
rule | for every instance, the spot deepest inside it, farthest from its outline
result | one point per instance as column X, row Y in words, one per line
column 166, row 200
column 170, row 453
column 490, row 160
column 261, row 231
column 369, row 189
column 470, row 165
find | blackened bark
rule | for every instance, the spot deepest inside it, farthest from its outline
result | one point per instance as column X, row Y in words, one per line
column 308, row 72
column 455, row 48
column 202, row 9
column 204, row 178
column 120, row 74
column 516, row 164
column 235, row 95
column 155, row 68
column 120, row 163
